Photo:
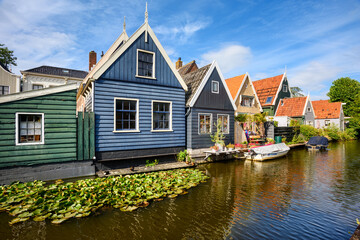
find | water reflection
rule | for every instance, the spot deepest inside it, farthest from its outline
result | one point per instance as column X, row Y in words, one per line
column 307, row 195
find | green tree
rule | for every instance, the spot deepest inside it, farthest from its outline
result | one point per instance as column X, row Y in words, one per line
column 344, row 90
column 296, row 92
column 7, row 56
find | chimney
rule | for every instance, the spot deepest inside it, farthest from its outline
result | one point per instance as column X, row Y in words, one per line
column 92, row 59
column 178, row 63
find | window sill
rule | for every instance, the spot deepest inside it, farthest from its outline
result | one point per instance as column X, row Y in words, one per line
column 170, row 130
column 145, row 77
column 33, row 143
column 126, row 131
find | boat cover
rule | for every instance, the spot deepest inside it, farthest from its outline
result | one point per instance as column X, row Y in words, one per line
column 318, row 141
column 271, row 148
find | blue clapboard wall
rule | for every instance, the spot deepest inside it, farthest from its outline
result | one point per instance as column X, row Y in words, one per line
column 119, row 81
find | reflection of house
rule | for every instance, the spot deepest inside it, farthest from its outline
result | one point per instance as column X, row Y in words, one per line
column 207, row 101
column 245, row 98
column 328, row 113
column 270, row 91
column 47, row 76
column 39, row 135
column 298, row 108
column 9, row 82
column 138, row 99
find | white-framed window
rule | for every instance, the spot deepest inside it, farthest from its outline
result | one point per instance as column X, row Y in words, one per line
column 37, row 86
column 145, row 64
column 161, row 116
column 214, row 86
column 205, row 122
column 4, row 90
column 224, row 118
column 285, row 89
column 309, row 109
column 247, row 101
column 126, row 115
column 29, row 128
column 327, row 123
column 268, row 100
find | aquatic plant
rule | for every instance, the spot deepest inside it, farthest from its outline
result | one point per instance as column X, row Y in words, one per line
column 61, row 201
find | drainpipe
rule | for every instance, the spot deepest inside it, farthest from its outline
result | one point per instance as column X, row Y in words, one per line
column 188, row 112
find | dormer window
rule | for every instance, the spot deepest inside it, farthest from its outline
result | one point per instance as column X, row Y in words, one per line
column 214, row 86
column 285, row 89
column 145, row 67
column 268, row 100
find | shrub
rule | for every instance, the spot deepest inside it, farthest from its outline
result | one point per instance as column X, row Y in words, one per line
column 276, row 123
column 333, row 132
column 294, row 123
column 308, row 131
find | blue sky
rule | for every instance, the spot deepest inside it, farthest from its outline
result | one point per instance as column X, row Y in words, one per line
column 317, row 41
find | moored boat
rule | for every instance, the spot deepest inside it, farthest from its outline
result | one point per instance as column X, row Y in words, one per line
column 317, row 143
column 267, row 152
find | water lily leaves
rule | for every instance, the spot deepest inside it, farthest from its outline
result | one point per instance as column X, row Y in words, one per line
column 18, row 220
column 61, row 201
column 41, row 218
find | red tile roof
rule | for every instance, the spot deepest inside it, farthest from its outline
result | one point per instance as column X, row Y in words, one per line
column 325, row 110
column 234, row 84
column 291, row 107
column 267, row 87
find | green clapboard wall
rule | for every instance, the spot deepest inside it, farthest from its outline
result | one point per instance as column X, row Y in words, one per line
column 60, row 130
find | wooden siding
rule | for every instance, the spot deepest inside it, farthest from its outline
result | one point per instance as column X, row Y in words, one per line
column 281, row 95
column 207, row 99
column 309, row 116
column 124, row 68
column 59, row 125
column 106, row 140
column 196, row 140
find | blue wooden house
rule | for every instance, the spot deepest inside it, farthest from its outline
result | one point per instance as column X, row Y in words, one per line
column 208, row 100
column 138, row 99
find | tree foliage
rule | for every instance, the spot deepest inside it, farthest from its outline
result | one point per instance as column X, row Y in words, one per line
column 345, row 90
column 7, row 56
column 296, row 92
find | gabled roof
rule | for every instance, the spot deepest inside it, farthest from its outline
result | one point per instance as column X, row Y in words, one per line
column 187, row 68
column 198, row 79
column 234, row 84
column 324, row 109
column 4, row 67
column 292, row 107
column 56, row 71
column 37, row 93
column 268, row 87
column 193, row 80
column 102, row 66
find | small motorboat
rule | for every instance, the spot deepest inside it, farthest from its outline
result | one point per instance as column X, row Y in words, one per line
column 317, row 143
column 267, row 152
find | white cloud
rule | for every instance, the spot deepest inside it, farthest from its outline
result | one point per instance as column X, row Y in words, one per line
column 181, row 31
column 230, row 58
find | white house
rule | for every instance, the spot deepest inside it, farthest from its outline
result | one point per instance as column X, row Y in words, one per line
column 328, row 113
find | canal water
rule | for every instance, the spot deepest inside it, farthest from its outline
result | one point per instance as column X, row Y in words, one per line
column 306, row 195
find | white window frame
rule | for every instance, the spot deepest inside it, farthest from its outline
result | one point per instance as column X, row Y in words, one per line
column 152, row 117
column 137, row 115
column 137, row 64
column 37, row 84
column 327, row 123
column 228, row 121
column 211, row 123
column 17, row 143
column 309, row 109
column 8, row 88
column 285, row 88
column 218, row 88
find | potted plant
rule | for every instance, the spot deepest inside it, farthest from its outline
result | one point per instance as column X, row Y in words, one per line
column 218, row 137
column 244, row 144
column 214, row 148
column 270, row 140
column 230, row 146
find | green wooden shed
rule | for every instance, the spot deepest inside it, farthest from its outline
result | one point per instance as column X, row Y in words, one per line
column 38, row 136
